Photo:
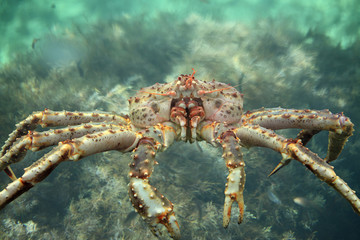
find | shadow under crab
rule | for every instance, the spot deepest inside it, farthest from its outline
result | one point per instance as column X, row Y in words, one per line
column 186, row 109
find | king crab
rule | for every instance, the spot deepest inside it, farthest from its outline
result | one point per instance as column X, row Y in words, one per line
column 186, row 109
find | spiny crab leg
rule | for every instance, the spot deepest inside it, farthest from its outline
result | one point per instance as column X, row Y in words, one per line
column 312, row 121
column 236, row 178
column 221, row 134
column 48, row 118
column 35, row 141
column 121, row 140
column 279, row 118
column 304, row 136
column 254, row 135
column 154, row 208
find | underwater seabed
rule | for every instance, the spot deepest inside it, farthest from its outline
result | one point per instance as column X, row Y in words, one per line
column 89, row 200
column 270, row 63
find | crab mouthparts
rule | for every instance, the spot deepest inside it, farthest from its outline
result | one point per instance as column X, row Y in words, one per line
column 187, row 113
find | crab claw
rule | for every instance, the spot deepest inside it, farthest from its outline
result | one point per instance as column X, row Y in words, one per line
column 171, row 224
column 154, row 208
column 236, row 179
column 234, row 192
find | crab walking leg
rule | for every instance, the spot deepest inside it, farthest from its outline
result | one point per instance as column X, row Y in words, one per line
column 279, row 118
column 236, row 178
column 154, row 208
column 68, row 150
column 305, row 135
column 49, row 118
column 337, row 142
column 251, row 135
column 340, row 127
column 38, row 140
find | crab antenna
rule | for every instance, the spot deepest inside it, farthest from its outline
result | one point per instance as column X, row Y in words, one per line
column 201, row 92
column 189, row 79
column 170, row 93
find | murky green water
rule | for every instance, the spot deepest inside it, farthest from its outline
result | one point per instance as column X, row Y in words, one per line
column 90, row 56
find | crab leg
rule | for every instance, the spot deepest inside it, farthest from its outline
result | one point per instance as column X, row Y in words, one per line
column 236, row 178
column 340, row 127
column 38, row 140
column 154, row 208
column 254, row 135
column 217, row 133
column 304, row 136
column 49, row 118
column 279, row 118
column 76, row 149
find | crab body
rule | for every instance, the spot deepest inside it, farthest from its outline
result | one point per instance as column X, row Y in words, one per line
column 186, row 102
column 186, row 109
